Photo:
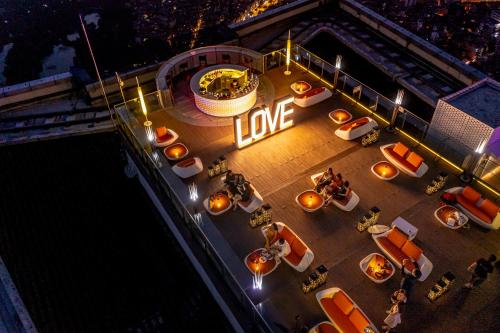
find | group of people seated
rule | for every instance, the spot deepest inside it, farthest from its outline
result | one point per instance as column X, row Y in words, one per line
column 330, row 185
column 238, row 188
column 276, row 246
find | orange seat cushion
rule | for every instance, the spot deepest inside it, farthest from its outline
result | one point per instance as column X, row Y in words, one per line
column 161, row 131
column 326, row 328
column 186, row 163
column 342, row 301
column 337, row 316
column 354, row 124
column 314, row 91
column 287, row 235
column 411, row 250
column 397, row 237
column 298, row 247
column 489, row 207
column 471, row 194
column 400, row 160
column 293, row 258
column 473, row 209
column 415, row 160
column 393, row 251
column 358, row 320
column 400, row 149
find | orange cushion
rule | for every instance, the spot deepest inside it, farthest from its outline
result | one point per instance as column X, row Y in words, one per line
column 287, row 235
column 344, row 304
column 337, row 316
column 471, row 194
column 354, row 124
column 395, row 252
column 473, row 209
column 489, row 208
column 298, row 247
column 415, row 160
column 326, row 328
column 358, row 320
column 397, row 237
column 186, row 163
column 293, row 258
column 161, row 131
column 400, row 149
column 411, row 250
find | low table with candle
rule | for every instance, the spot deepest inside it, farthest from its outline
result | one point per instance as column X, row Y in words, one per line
column 377, row 267
column 451, row 217
column 385, row 170
column 340, row 116
column 310, row 200
column 176, row 151
column 300, row 87
column 261, row 261
column 218, row 203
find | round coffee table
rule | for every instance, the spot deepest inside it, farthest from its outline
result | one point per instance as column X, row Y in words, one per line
column 447, row 216
column 385, row 170
column 377, row 268
column 260, row 261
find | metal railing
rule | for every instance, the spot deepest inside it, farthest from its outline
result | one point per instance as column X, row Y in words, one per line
column 129, row 124
column 409, row 124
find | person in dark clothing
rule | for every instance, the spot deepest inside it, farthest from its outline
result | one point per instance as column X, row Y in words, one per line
column 409, row 277
column 480, row 270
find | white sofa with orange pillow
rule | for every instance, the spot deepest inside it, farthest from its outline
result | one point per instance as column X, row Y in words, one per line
column 165, row 136
column 397, row 246
column 343, row 312
column 301, row 255
column 482, row 211
column 404, row 159
column 312, row 97
column 356, row 128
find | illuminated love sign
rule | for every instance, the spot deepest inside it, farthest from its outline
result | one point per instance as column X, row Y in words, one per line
column 263, row 123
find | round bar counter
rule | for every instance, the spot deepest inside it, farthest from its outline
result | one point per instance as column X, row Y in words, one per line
column 224, row 90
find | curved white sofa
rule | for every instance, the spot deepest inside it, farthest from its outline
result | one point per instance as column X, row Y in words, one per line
column 474, row 206
column 395, row 253
column 301, row 255
column 343, row 312
column 323, row 327
column 401, row 162
column 356, row 128
column 188, row 168
column 344, row 205
column 312, row 97
column 163, row 143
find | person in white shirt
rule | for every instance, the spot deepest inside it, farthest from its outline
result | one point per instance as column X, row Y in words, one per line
column 281, row 249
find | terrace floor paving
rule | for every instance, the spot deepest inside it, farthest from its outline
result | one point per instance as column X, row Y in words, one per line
column 279, row 167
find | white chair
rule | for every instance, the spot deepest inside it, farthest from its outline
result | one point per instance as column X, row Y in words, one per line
column 188, row 168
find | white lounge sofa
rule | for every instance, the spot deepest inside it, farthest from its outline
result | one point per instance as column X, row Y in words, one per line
column 301, row 255
column 397, row 245
column 405, row 160
column 312, row 97
column 188, row 168
column 356, row 128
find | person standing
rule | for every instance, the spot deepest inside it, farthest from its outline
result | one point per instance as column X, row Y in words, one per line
column 480, row 270
column 409, row 277
column 393, row 318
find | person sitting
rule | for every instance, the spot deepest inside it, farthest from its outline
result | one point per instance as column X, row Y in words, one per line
column 280, row 249
column 338, row 179
column 271, row 234
column 324, row 180
column 230, row 181
column 341, row 191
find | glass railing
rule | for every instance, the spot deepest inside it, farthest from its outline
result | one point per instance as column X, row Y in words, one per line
column 381, row 107
column 128, row 115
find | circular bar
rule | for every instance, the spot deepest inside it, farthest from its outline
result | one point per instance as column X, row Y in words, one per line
column 224, row 90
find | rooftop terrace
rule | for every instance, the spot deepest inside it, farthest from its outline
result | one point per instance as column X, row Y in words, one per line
column 279, row 167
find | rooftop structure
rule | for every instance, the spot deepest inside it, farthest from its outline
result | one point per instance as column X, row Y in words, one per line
column 279, row 168
column 480, row 100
